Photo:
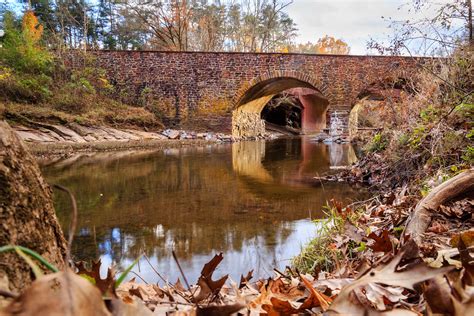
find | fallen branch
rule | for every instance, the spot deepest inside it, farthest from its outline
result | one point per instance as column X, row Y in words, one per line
column 449, row 190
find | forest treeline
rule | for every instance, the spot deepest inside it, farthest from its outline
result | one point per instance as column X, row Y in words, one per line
column 176, row 25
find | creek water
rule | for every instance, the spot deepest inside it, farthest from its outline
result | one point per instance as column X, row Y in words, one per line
column 253, row 201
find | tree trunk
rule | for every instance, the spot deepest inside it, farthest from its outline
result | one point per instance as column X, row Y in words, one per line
column 27, row 216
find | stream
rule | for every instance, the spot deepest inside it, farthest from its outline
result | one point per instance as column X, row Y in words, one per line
column 255, row 202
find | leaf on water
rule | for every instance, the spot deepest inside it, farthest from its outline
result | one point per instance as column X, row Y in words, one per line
column 107, row 285
column 382, row 242
column 62, row 293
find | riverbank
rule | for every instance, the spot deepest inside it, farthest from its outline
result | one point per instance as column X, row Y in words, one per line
column 51, row 140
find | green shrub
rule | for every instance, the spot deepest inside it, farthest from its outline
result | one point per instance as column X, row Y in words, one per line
column 21, row 46
column 378, row 143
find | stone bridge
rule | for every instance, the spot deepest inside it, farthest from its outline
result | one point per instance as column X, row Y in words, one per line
column 184, row 86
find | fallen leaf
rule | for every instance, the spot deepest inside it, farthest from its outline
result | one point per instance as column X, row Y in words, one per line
column 438, row 227
column 437, row 293
column 208, row 270
column 219, row 310
column 316, row 298
column 59, row 294
column 120, row 308
column 107, row 285
column 445, row 255
column 388, row 275
column 382, row 242
column 246, row 279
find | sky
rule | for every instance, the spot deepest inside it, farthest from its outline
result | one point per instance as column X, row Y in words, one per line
column 354, row 21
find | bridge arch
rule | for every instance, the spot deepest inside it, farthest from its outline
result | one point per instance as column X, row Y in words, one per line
column 254, row 95
column 275, row 82
column 376, row 100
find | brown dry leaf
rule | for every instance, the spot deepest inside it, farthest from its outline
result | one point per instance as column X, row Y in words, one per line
column 59, row 294
column 204, row 291
column 353, row 232
column 466, row 250
column 438, row 227
column 107, row 285
column 246, row 279
column 463, row 309
column 208, row 270
column 316, row 298
column 219, row 310
column 378, row 295
column 120, row 308
column 437, row 293
column 382, row 242
column 387, row 275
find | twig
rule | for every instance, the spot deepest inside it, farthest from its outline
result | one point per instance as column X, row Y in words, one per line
column 8, row 294
column 181, row 270
column 154, row 270
column 281, row 273
column 73, row 223
column 139, row 277
column 164, row 280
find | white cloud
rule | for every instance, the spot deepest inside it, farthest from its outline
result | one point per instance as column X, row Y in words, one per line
column 355, row 21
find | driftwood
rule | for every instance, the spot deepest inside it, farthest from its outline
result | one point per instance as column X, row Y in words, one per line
column 421, row 218
column 27, row 216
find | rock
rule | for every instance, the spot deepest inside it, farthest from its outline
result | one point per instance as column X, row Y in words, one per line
column 80, row 129
column 171, row 133
column 320, row 137
column 210, row 136
column 146, row 135
column 69, row 134
column 35, row 136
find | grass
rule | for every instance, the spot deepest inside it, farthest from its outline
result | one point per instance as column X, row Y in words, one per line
column 321, row 253
column 107, row 112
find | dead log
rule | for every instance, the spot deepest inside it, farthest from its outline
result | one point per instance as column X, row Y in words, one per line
column 455, row 187
column 27, row 216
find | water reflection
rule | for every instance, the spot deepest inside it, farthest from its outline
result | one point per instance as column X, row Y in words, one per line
column 251, row 200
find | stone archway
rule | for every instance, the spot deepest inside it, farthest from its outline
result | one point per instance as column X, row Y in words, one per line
column 374, row 103
column 251, row 99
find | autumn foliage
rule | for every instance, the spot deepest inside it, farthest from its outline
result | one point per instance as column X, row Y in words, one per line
column 330, row 45
column 32, row 29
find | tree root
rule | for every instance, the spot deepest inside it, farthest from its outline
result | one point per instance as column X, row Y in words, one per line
column 420, row 220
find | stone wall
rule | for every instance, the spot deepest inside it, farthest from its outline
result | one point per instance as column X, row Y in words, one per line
column 187, row 81
column 247, row 124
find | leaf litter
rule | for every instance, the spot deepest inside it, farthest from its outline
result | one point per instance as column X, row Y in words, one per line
column 378, row 271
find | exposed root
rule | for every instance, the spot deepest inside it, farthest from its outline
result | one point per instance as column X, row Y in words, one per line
column 420, row 220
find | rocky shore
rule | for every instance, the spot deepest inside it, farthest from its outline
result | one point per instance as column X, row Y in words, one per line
column 56, row 139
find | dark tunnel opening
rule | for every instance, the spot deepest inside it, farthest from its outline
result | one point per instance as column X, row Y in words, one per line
column 284, row 111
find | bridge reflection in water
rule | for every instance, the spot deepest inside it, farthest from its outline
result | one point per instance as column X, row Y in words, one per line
column 251, row 200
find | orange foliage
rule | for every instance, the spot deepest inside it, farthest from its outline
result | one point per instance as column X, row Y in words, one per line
column 330, row 45
column 32, row 29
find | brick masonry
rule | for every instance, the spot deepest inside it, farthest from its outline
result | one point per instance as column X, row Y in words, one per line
column 194, row 84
